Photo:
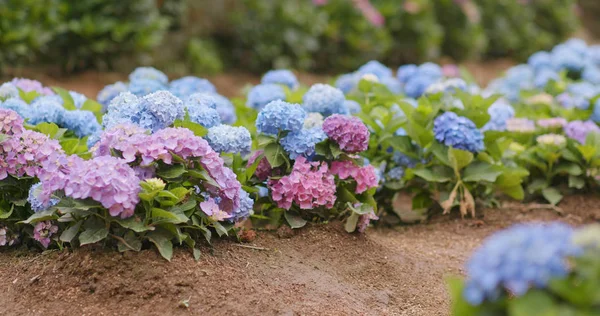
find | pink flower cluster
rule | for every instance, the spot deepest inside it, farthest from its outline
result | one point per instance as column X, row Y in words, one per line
column 263, row 169
column 43, row 231
column 29, row 85
column 349, row 132
column 365, row 177
column 108, row 180
column 365, row 220
column 309, row 185
column 11, row 123
column 133, row 143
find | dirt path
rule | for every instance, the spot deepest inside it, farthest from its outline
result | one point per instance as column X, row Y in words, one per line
column 320, row 271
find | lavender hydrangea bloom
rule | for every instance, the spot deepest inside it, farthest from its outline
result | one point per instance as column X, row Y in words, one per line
column 282, row 77
column 578, row 130
column 499, row 113
column 43, row 231
column 142, row 87
column 347, row 82
column 34, row 199
column 229, row 139
column 149, row 73
column 279, row 116
column 349, row 132
column 458, row 132
column 262, row 94
column 515, row 259
column 245, row 209
column 325, row 99
column 302, row 143
column 186, row 86
column 8, row 90
column 555, row 122
column 108, row 93
column 17, row 105
column 376, row 68
column 28, row 85
column 521, row 125
column 82, row 123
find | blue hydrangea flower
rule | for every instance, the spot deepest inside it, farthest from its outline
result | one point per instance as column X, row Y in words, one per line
column 406, row 72
column 282, row 77
column 458, row 132
column 540, row 60
column 499, row 113
column 82, row 123
column 591, row 74
column 186, row 86
column 8, row 90
column 121, row 110
column 325, row 99
column 518, row 258
column 78, row 99
column 544, row 76
column 396, row 173
column 263, row 192
column 302, row 143
column 94, row 138
column 451, row 85
column 17, row 105
column 41, row 100
column 245, row 209
column 161, row 108
column 204, row 116
column 279, row 116
column 403, row 160
column 46, row 110
column 110, row 92
column 346, row 83
column 393, row 84
column 375, row 68
column 262, row 94
column 431, row 70
column 215, row 101
column 565, row 58
column 596, row 114
column 417, row 85
column 149, row 73
column 353, row 106
column 593, row 54
column 229, row 139
column 34, row 201
column 142, row 87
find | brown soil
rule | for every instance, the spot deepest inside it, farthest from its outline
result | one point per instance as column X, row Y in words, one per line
column 321, row 270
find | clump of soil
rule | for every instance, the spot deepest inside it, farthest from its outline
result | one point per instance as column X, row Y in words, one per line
column 320, row 270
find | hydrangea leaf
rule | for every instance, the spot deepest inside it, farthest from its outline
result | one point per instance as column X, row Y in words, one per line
column 459, row 158
column 534, row 303
column 552, row 195
column 70, row 233
column 481, row 171
column 162, row 243
column 93, row 235
column 294, row 220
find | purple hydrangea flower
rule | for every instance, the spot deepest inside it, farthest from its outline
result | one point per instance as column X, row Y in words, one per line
column 28, row 85
column 350, row 133
column 43, row 231
column 555, row 122
column 578, row 130
column 521, row 125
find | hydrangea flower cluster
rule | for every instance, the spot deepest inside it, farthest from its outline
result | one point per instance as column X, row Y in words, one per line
column 229, row 139
column 302, row 143
column 313, row 120
column 325, row 99
column 372, row 71
column 186, row 86
column 263, row 94
column 309, row 186
column 263, row 169
column 17, row 105
column 521, row 125
column 552, row 139
column 365, row 220
column 375, row 68
column 43, row 231
column 28, row 85
column 555, row 122
column 353, row 107
column 8, row 90
column 282, row 77
column 396, row 173
column 350, row 133
column 202, row 108
column 365, row 176
column 518, row 258
column 403, row 160
column 37, row 205
column 578, row 95
column 148, row 73
column 245, row 209
column 578, row 130
column 447, row 86
column 10, row 122
column 458, row 132
column 499, row 112
column 417, row 79
column 225, row 109
column 109, row 92
column 279, row 116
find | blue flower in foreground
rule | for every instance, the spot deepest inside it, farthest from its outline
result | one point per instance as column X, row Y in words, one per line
column 142, row 87
column 282, row 77
column 499, row 113
column 205, row 116
column 34, row 201
column 186, row 86
column 302, row 143
column 229, row 139
column 518, row 258
column 46, row 110
column 163, row 107
column 325, row 99
column 17, row 105
column 121, row 110
column 110, row 92
column 376, row 68
column 279, row 116
column 82, row 123
column 347, row 82
column 262, row 94
column 458, row 132
column 149, row 73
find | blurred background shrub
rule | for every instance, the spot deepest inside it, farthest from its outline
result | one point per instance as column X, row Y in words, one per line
column 207, row 36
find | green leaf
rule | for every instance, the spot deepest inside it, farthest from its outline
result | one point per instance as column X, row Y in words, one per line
column 198, row 129
column 171, row 172
column 568, row 168
column 70, row 233
column 263, row 140
column 133, row 242
column 351, row 222
column 40, row 216
column 459, row 307
column 6, row 209
column 433, row 176
column 481, row 171
column 294, row 220
column 221, row 230
column 516, row 191
column 536, row 185
column 275, row 154
column 533, row 303
column 48, row 129
column 552, row 195
column 459, row 158
column 28, row 96
column 68, row 102
column 197, row 253
column 441, row 153
column 163, row 243
column 133, row 223
column 576, row 182
column 158, row 213
column 93, row 235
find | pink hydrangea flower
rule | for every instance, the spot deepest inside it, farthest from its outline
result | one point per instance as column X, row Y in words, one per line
column 365, row 177
column 29, row 85
column 349, row 132
column 263, row 169
column 309, row 185
column 43, row 231
column 365, row 220
column 11, row 123
column 212, row 209
column 554, row 122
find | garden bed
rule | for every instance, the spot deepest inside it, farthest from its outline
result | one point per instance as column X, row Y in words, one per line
column 320, row 270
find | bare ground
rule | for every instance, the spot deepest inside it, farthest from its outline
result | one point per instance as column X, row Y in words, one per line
column 321, row 270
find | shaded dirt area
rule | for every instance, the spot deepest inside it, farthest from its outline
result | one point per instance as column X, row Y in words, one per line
column 321, row 270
